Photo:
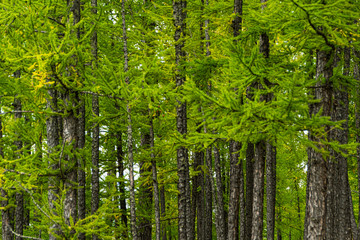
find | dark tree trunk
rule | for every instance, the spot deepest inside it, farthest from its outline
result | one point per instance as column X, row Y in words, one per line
column 5, row 213
column 134, row 230
column 340, row 112
column 235, row 191
column 145, row 193
column 52, row 129
column 221, row 231
column 250, row 157
column 163, row 213
column 355, row 229
column 95, row 183
column 270, row 189
column 184, row 231
column 120, row 160
column 317, row 182
column 258, row 193
column 19, row 197
column 81, row 162
column 208, row 196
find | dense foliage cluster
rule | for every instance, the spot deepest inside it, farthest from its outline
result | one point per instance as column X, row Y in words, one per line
column 183, row 119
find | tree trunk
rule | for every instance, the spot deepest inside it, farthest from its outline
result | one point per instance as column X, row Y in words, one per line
column 5, row 213
column 317, row 182
column 184, row 228
column 52, row 129
column 163, row 213
column 129, row 132
column 250, row 157
column 258, row 194
column 120, row 160
column 221, row 234
column 340, row 112
column 235, row 191
column 270, row 190
column 81, row 163
column 19, row 197
column 95, row 183
column 145, row 193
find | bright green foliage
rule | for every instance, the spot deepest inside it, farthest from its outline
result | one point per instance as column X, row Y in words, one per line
column 37, row 38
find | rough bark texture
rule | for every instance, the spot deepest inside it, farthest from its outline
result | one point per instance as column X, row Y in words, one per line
column 81, row 162
column 19, row 197
column 120, row 165
column 5, row 213
column 270, row 189
column 340, row 112
column 69, row 170
column 145, row 193
column 129, row 133
column 235, row 191
column 258, row 193
column 184, row 229
column 317, row 182
column 221, row 231
column 250, row 157
column 52, row 129
column 208, row 196
column 155, row 182
column 163, row 213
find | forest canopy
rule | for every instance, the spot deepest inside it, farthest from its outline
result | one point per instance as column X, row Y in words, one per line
column 183, row 119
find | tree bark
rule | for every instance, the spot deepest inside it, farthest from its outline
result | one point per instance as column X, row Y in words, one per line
column 258, row 194
column 19, row 197
column 317, row 182
column 145, row 193
column 5, row 214
column 270, row 189
column 163, row 213
column 134, row 230
column 184, row 228
column 120, row 160
column 95, row 183
column 52, row 129
column 250, row 157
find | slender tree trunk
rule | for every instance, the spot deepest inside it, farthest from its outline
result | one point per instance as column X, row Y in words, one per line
column 52, row 129
column 120, row 160
column 236, row 190
column 270, row 189
column 145, row 193
column 19, row 197
column 95, row 183
column 250, row 157
column 163, row 213
column 5, row 214
column 129, row 132
column 220, row 196
column 184, row 228
column 81, row 162
column 155, row 181
column 355, row 229
column 208, row 223
column 258, row 194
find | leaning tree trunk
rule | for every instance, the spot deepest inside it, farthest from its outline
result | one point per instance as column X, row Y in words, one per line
column 179, row 15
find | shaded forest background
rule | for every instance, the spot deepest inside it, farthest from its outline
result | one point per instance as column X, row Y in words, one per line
column 196, row 119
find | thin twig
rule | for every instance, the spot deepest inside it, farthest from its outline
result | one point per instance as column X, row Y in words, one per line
column 19, row 235
column 101, row 95
column 37, row 205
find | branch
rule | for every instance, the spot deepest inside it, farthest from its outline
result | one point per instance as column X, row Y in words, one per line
column 37, row 205
column 315, row 28
column 17, row 112
column 52, row 19
column 101, row 95
column 19, row 235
